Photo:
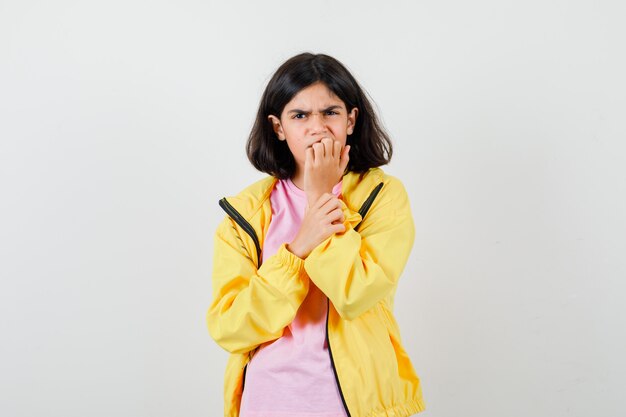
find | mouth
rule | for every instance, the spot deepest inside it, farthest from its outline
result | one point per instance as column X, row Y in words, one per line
column 318, row 141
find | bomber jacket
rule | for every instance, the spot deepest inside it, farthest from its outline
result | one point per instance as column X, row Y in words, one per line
column 358, row 270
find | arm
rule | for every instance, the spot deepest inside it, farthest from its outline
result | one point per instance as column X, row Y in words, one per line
column 252, row 306
column 358, row 269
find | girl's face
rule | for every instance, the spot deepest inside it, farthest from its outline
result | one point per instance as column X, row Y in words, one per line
column 311, row 115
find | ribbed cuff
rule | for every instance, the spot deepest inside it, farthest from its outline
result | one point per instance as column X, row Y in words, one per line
column 291, row 260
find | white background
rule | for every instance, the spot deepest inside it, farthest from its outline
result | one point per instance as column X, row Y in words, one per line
column 122, row 123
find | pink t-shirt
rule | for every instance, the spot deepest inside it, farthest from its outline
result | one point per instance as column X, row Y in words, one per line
column 292, row 376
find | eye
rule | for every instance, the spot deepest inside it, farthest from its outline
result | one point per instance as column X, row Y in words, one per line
column 331, row 112
column 296, row 116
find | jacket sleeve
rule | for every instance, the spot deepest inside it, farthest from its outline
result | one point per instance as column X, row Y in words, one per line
column 358, row 269
column 251, row 306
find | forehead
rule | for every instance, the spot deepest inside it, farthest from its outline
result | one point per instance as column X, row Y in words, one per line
column 315, row 94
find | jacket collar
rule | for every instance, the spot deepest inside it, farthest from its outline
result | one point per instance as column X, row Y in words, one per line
column 355, row 189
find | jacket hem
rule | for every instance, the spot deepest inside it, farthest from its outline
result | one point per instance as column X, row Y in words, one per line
column 407, row 409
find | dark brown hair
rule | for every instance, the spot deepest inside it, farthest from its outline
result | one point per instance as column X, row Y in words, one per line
column 370, row 145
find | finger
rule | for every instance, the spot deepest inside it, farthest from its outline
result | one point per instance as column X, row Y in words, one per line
column 338, row 228
column 337, row 150
column 336, row 215
column 308, row 157
column 321, row 202
column 318, row 148
column 328, row 147
column 331, row 205
column 345, row 157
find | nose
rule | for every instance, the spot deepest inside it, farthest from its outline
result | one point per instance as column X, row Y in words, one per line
column 317, row 123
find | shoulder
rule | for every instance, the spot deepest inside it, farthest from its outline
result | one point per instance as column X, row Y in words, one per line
column 392, row 196
column 392, row 186
column 249, row 199
column 257, row 189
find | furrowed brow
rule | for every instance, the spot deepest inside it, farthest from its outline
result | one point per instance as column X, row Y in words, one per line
column 335, row 107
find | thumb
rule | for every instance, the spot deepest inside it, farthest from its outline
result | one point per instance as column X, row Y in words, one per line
column 344, row 157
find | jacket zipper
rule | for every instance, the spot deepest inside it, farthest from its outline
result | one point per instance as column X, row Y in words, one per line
column 362, row 211
column 250, row 355
column 234, row 214
column 332, row 361
column 368, row 203
column 243, row 382
column 241, row 221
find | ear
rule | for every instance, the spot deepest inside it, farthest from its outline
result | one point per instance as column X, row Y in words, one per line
column 278, row 128
column 352, row 120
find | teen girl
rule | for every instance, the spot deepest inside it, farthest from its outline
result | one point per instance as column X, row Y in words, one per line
column 307, row 259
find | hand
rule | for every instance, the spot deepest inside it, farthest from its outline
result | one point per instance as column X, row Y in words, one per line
column 324, row 165
column 321, row 220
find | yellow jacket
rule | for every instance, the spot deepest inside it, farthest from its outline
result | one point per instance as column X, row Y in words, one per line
column 357, row 270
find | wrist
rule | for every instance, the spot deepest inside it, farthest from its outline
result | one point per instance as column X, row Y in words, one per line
column 296, row 250
column 312, row 198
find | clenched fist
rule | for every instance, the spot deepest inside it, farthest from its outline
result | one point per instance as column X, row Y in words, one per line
column 321, row 220
column 324, row 165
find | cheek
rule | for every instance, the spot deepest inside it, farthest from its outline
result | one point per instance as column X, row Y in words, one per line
column 339, row 128
column 294, row 129
column 296, row 146
column 343, row 123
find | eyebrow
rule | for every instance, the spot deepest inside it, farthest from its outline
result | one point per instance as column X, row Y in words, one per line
column 309, row 111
